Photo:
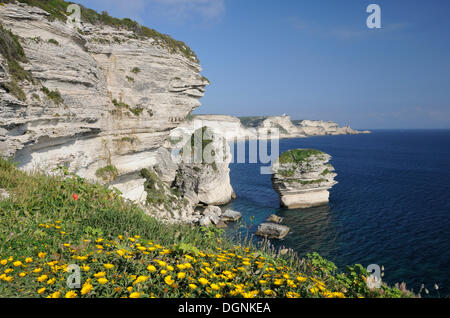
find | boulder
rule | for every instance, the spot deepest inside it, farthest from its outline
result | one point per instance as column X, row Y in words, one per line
column 221, row 225
column 212, row 209
column 205, row 221
column 274, row 219
column 231, row 216
column 272, row 230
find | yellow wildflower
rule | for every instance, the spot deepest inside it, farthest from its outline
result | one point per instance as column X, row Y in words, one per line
column 42, row 278
column 100, row 275
column 87, row 288
column 203, row 281
column 71, row 294
column 140, row 279
column 41, row 291
column 169, row 281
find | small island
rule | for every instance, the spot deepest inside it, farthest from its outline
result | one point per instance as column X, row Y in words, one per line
column 302, row 178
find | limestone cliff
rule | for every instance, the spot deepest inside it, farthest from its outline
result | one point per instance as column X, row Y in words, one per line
column 100, row 99
column 302, row 178
column 234, row 128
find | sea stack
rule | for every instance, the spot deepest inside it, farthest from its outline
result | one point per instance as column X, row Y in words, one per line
column 302, row 178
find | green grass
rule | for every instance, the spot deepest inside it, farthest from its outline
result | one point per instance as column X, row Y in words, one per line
column 43, row 216
column 298, row 155
column 307, row 182
column 107, row 173
column 12, row 51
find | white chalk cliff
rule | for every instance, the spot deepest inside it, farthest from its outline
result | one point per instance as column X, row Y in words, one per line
column 102, row 100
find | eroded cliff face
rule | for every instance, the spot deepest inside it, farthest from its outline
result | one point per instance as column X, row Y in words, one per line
column 101, row 103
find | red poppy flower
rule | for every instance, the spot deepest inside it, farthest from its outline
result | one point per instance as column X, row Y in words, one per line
column 75, row 196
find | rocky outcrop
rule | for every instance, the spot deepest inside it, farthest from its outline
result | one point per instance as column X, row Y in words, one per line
column 231, row 216
column 320, row 128
column 302, row 178
column 203, row 175
column 100, row 100
column 272, row 230
column 235, row 129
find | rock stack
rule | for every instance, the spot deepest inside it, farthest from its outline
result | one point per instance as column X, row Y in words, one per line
column 302, row 178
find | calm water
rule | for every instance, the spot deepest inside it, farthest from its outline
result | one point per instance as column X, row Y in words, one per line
column 391, row 206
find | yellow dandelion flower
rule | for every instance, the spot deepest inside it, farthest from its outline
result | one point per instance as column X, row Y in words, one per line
column 215, row 287
column 28, row 260
column 102, row 281
column 108, row 266
column 37, row 270
column 151, row 268
column 192, row 286
column 41, row 291
column 135, row 295
column 42, row 254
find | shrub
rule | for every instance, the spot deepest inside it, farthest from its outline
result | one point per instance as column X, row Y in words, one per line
column 53, row 41
column 107, row 173
column 55, row 95
column 135, row 70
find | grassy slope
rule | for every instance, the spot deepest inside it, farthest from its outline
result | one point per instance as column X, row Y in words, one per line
column 44, row 224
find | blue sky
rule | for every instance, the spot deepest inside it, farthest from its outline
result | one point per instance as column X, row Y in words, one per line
column 313, row 59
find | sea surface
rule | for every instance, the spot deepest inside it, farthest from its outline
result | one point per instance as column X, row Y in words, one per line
column 391, row 205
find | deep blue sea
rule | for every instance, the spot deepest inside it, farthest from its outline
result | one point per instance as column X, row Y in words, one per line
column 391, row 205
